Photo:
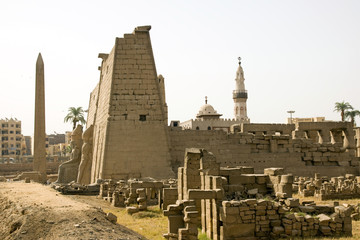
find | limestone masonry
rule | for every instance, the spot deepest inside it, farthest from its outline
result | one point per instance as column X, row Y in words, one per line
column 129, row 113
column 131, row 138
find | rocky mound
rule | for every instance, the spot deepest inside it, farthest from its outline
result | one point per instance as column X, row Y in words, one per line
column 34, row 211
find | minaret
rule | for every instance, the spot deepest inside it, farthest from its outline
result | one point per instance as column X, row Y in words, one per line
column 39, row 124
column 240, row 96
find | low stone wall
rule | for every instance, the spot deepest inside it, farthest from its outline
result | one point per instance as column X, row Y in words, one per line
column 263, row 219
column 16, row 168
column 242, row 183
column 343, row 187
column 125, row 193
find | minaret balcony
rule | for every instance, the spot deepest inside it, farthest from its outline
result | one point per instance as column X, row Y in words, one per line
column 240, row 94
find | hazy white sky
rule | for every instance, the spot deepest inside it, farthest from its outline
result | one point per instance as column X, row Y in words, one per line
column 297, row 55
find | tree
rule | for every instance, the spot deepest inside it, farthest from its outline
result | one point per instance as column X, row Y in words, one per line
column 352, row 114
column 342, row 107
column 75, row 115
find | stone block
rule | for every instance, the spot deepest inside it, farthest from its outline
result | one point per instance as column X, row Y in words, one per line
column 239, row 230
column 253, row 191
column 285, row 188
column 132, row 210
column 306, row 209
column 174, row 223
column 343, row 211
column 292, row 202
column 287, row 178
column 111, row 217
column 231, row 211
column 324, row 220
column 325, row 230
column 274, row 171
column 201, row 194
column 275, row 179
column 242, row 179
column 261, row 178
column 250, row 202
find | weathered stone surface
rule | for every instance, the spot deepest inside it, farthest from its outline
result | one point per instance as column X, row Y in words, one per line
column 240, row 230
column 292, row 202
column 324, row 220
column 274, row 171
column 131, row 210
column 111, row 217
column 201, row 194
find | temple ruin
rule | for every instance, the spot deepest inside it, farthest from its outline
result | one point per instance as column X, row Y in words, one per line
column 131, row 138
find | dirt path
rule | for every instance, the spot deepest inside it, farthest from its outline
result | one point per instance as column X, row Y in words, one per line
column 34, row 211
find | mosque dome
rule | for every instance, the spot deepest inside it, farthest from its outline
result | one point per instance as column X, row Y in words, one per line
column 207, row 111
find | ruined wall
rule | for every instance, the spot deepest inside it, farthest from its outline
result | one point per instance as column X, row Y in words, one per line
column 302, row 157
column 130, row 137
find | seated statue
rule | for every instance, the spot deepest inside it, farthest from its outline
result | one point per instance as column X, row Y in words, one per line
column 69, row 169
column 84, row 173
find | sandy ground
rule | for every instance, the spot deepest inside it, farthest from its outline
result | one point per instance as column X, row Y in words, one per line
column 34, row 211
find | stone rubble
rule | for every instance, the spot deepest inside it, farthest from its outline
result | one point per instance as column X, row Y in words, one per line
column 218, row 200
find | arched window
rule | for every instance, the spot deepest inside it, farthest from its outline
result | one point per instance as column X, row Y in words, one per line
column 209, row 128
column 242, row 112
column 197, row 128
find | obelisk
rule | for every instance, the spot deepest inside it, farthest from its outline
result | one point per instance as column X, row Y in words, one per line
column 39, row 124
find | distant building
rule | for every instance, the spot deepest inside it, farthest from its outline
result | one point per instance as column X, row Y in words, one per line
column 56, row 138
column 57, row 144
column 208, row 119
column 26, row 146
column 68, row 137
column 10, row 139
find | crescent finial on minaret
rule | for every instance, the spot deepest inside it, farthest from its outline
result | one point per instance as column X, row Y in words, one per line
column 239, row 58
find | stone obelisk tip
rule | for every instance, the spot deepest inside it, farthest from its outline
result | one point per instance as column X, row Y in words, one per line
column 39, row 60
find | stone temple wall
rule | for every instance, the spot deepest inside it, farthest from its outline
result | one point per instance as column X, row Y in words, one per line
column 131, row 138
column 130, row 133
column 92, row 105
column 302, row 156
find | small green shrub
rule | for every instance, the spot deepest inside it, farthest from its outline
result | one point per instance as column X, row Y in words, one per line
column 202, row 236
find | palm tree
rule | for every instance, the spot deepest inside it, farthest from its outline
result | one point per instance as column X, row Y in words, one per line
column 342, row 107
column 352, row 114
column 75, row 115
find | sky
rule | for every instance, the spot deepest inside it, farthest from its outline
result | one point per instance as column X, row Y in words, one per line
column 296, row 55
